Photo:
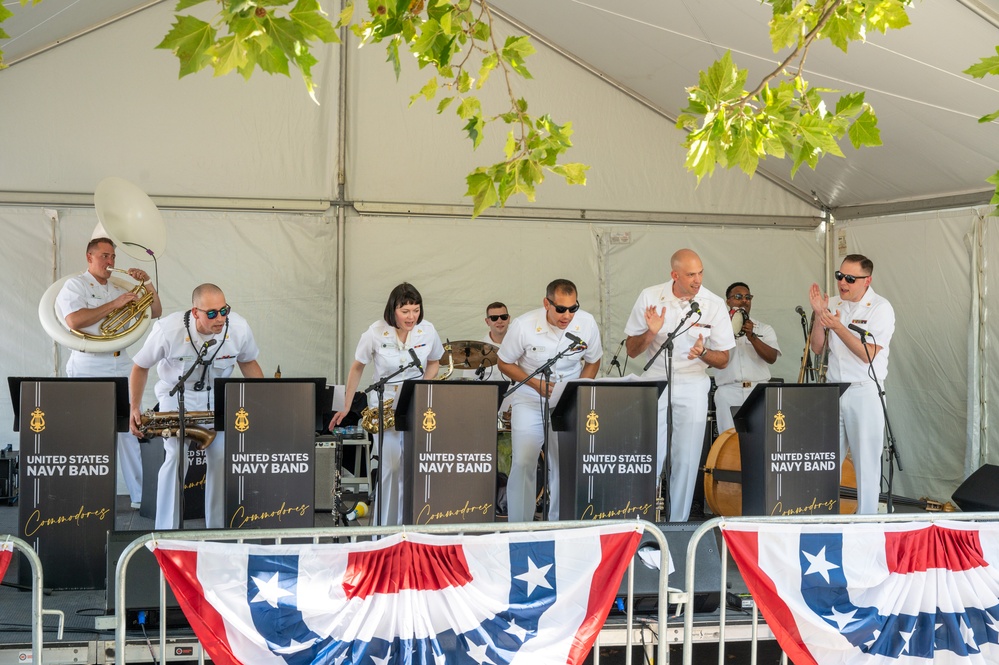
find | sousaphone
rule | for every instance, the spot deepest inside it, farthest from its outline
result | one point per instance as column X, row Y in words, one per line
column 131, row 219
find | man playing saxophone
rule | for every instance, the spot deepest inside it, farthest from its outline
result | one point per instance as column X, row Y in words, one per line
column 83, row 302
column 215, row 339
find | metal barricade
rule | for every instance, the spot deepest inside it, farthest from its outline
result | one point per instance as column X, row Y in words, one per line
column 711, row 525
column 37, row 611
column 329, row 534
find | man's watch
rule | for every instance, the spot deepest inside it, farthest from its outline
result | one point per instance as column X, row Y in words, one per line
column 703, row 351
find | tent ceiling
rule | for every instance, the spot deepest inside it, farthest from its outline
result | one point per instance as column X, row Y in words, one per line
column 935, row 153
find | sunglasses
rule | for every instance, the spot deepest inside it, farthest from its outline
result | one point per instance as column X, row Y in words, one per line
column 850, row 279
column 562, row 309
column 498, row 317
column 212, row 313
column 740, row 297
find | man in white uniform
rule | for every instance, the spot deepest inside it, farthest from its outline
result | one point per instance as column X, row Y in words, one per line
column 852, row 359
column 216, row 339
column 83, row 303
column 497, row 322
column 532, row 340
column 749, row 362
column 703, row 339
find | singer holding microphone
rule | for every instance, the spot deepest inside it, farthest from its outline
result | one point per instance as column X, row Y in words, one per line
column 749, row 362
column 859, row 324
column 531, row 341
column 402, row 337
column 211, row 335
column 703, row 339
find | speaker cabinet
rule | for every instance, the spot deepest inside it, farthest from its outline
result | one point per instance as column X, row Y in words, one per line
column 707, row 572
column 142, row 588
column 980, row 492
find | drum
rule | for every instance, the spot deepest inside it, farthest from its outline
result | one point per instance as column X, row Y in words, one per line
column 738, row 316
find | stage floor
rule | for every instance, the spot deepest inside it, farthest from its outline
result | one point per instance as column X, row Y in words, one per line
column 88, row 637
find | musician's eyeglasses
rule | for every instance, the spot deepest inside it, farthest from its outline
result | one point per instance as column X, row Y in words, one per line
column 850, row 279
column 562, row 309
column 498, row 317
column 212, row 313
column 740, row 297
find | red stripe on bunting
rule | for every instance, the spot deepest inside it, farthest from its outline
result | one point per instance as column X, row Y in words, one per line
column 933, row 547
column 405, row 566
column 180, row 568
column 617, row 551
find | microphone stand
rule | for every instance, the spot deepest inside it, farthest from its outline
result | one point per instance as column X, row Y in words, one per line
column 614, row 362
column 668, row 346
column 178, row 389
column 379, row 388
column 545, row 369
column 894, row 458
column 807, row 369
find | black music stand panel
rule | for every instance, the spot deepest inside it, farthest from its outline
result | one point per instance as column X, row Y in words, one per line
column 270, row 440
column 449, row 451
column 67, row 462
column 789, row 445
column 607, row 449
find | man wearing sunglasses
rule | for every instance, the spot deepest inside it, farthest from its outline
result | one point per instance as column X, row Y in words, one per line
column 749, row 362
column 856, row 359
column 497, row 321
column 704, row 337
column 214, row 339
column 532, row 340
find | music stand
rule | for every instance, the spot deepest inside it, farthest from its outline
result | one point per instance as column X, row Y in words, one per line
column 122, row 407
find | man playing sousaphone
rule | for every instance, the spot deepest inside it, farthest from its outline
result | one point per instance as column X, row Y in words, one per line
column 83, row 303
column 749, row 362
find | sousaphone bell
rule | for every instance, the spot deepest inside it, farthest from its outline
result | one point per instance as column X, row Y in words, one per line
column 130, row 218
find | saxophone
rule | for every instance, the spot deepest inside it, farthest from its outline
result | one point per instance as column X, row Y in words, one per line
column 369, row 415
column 166, row 424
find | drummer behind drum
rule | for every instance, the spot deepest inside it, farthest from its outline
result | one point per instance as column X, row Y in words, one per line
column 497, row 321
column 749, row 363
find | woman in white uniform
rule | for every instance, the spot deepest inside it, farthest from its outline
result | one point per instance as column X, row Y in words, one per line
column 389, row 343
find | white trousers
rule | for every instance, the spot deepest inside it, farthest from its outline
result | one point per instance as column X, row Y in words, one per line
column 168, row 485
column 728, row 396
column 388, row 496
column 690, row 413
column 861, row 431
column 526, row 439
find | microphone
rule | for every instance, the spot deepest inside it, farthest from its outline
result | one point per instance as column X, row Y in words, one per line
column 575, row 340
column 614, row 362
column 416, row 359
column 204, row 349
column 800, row 311
column 694, row 307
column 857, row 329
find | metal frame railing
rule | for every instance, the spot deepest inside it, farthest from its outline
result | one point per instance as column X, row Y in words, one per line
column 352, row 533
column 717, row 522
column 38, row 612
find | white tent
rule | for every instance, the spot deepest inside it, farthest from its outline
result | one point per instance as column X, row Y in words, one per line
column 308, row 214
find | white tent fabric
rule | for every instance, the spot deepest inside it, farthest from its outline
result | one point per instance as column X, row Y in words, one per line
column 267, row 162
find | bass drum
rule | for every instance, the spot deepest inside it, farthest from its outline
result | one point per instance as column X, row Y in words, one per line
column 723, row 478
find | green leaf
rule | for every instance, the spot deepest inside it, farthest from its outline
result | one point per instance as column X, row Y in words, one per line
column 850, row 104
column 182, row 4
column 482, row 191
column 481, row 32
column 984, row 67
column 488, row 65
column 989, row 118
column 469, row 107
column 312, row 22
column 428, row 91
column 474, row 128
column 190, row 40
column 444, row 103
column 4, row 15
column 514, row 51
column 228, row 54
column 864, row 130
column 574, row 173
